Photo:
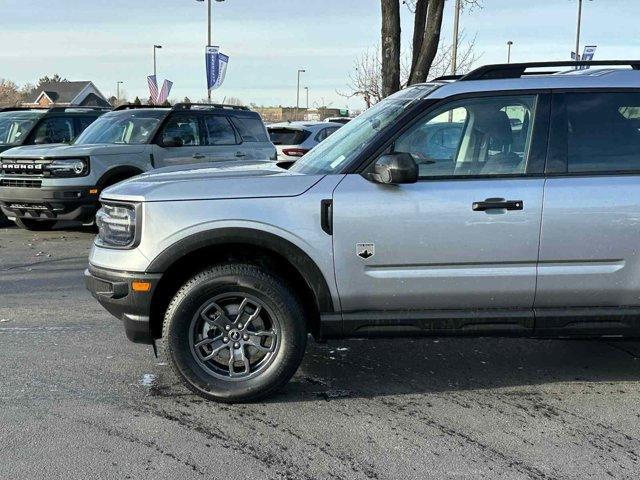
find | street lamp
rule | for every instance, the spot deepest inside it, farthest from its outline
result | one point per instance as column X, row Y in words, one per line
column 155, row 47
column 300, row 70
column 509, row 43
column 118, row 83
column 209, row 32
column 578, row 22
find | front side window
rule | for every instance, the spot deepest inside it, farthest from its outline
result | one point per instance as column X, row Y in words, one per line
column 337, row 151
column 125, row 127
column 55, row 130
column 472, row 137
column 184, row 129
column 603, row 132
column 15, row 126
column 219, row 130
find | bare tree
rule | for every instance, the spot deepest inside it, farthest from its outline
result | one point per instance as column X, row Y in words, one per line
column 365, row 80
column 9, row 93
column 428, row 15
column 390, row 46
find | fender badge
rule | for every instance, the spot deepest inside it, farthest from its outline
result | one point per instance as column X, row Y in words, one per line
column 365, row 250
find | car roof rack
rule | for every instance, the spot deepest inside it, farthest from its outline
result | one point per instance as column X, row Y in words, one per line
column 133, row 106
column 79, row 107
column 442, row 78
column 21, row 109
column 188, row 106
column 517, row 70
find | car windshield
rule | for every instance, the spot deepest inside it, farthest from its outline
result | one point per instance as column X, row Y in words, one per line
column 15, row 126
column 344, row 145
column 126, row 127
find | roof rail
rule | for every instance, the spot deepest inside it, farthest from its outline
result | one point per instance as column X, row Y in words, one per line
column 188, row 106
column 21, row 109
column 517, row 70
column 446, row 77
column 133, row 106
column 79, row 107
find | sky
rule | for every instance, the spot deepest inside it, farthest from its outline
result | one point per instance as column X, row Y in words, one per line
column 269, row 40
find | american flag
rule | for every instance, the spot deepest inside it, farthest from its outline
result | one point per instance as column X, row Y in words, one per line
column 164, row 93
column 153, row 88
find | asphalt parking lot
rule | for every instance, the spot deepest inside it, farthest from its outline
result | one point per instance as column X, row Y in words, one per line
column 77, row 400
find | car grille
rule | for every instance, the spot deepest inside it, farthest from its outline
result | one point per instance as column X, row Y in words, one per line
column 30, row 167
column 20, row 182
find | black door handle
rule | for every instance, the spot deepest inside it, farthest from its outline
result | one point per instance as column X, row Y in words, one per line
column 497, row 204
column 198, row 156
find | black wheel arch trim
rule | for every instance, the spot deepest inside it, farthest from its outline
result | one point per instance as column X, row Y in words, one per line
column 293, row 254
column 120, row 172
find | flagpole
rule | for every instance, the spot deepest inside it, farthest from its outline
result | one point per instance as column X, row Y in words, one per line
column 209, row 35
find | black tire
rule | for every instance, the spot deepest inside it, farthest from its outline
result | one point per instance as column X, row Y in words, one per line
column 35, row 225
column 189, row 306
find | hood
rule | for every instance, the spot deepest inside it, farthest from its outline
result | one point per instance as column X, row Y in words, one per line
column 225, row 180
column 64, row 150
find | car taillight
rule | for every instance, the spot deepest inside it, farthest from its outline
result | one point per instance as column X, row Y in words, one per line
column 295, row 152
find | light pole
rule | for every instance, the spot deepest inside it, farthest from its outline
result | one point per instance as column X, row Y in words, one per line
column 209, row 32
column 509, row 43
column 307, row 91
column 454, row 48
column 118, row 83
column 300, row 70
column 578, row 21
column 155, row 47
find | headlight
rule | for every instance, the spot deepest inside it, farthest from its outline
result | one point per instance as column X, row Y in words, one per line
column 117, row 225
column 68, row 167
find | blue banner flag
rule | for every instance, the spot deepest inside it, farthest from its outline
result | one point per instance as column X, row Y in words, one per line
column 216, row 67
column 588, row 53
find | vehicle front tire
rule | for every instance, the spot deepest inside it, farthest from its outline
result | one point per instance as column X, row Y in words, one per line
column 35, row 225
column 234, row 333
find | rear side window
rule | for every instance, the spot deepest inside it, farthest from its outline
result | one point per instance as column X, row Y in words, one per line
column 55, row 130
column 603, row 132
column 219, row 131
column 82, row 123
column 251, row 129
column 288, row 136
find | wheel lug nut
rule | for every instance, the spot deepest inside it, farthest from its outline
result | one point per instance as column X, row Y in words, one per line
column 236, row 345
column 227, row 328
column 225, row 340
column 239, row 325
column 245, row 337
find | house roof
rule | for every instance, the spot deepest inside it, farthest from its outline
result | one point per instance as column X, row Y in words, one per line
column 60, row 92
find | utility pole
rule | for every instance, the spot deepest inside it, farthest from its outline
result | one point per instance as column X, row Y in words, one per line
column 509, row 43
column 300, row 70
column 454, row 48
column 307, row 90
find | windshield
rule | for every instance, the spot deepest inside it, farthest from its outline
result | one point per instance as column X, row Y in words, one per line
column 133, row 127
column 344, row 145
column 15, row 126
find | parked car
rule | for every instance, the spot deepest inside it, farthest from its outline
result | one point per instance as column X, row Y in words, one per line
column 529, row 228
column 294, row 139
column 37, row 126
column 41, row 185
column 341, row 120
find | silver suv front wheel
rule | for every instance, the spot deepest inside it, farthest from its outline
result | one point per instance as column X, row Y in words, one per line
column 234, row 333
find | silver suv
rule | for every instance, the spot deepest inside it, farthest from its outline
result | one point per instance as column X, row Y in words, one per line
column 522, row 219
column 40, row 185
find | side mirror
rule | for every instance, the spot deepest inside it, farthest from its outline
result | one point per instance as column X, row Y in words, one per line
column 172, row 142
column 395, row 168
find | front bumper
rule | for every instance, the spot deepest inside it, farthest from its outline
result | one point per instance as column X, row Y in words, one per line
column 113, row 291
column 50, row 203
